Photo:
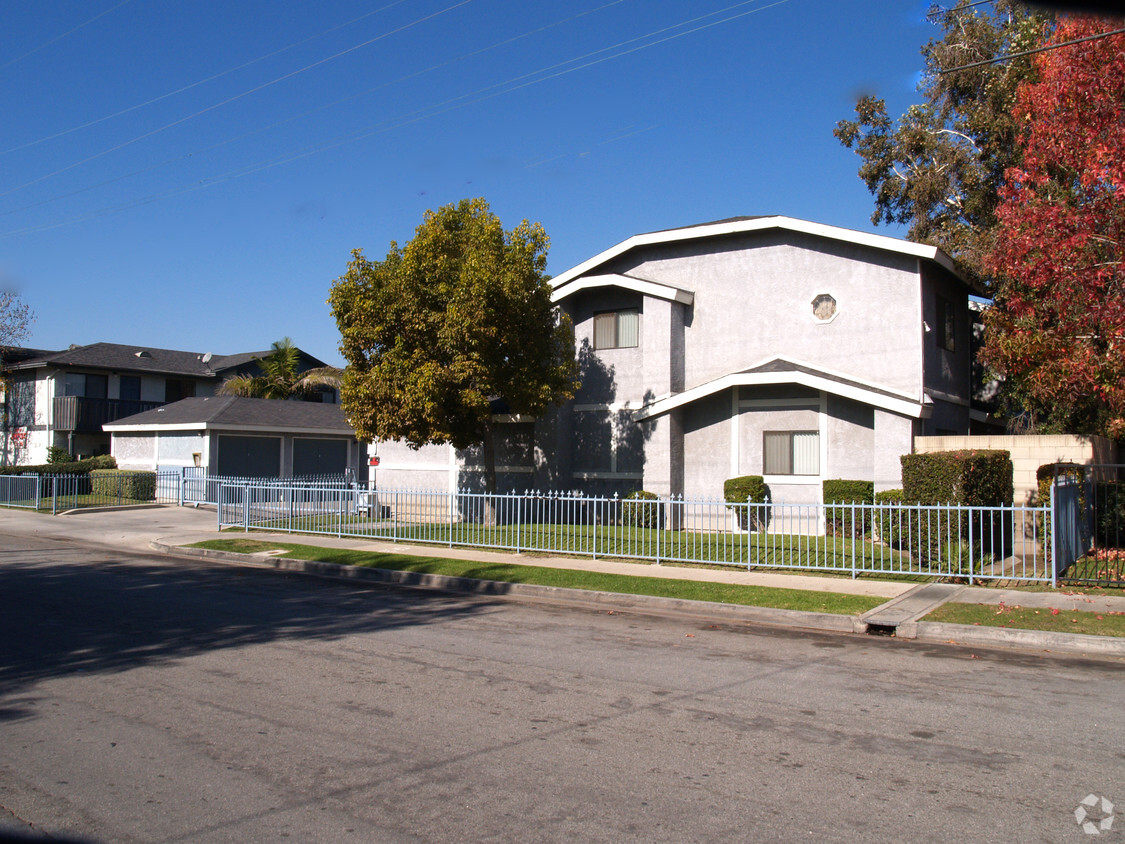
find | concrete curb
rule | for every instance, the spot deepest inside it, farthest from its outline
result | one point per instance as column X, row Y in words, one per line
column 702, row 610
column 1027, row 640
column 921, row 631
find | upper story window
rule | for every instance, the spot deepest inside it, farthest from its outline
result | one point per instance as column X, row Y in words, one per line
column 617, row 329
column 791, row 453
column 86, row 385
column 946, row 324
column 824, row 307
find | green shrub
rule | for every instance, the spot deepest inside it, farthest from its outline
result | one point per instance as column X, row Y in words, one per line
column 78, row 467
column 744, row 490
column 1109, row 514
column 642, row 509
column 114, row 483
column 844, row 521
column 889, row 520
column 967, row 478
column 56, row 455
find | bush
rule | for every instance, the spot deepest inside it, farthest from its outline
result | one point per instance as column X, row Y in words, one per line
column 889, row 522
column 56, row 455
column 845, row 521
column 78, row 467
column 966, row 478
column 1109, row 514
column 642, row 509
column 747, row 491
column 113, row 483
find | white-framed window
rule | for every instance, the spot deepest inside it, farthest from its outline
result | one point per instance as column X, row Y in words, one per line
column 617, row 329
column 791, row 453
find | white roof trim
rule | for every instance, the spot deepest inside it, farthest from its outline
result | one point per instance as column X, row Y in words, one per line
column 655, row 289
column 904, row 406
column 876, row 241
column 112, row 427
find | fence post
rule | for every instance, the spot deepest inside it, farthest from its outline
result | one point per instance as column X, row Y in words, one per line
column 246, row 508
column 1053, row 551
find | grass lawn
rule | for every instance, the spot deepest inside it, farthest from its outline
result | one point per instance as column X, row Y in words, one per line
column 694, row 590
column 1026, row 618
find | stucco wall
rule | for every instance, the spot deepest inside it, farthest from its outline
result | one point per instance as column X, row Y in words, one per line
column 753, row 302
column 1028, row 454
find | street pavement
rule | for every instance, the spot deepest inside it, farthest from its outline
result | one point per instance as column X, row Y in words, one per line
column 169, row 529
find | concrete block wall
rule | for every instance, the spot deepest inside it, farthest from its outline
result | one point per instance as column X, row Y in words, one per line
column 1029, row 452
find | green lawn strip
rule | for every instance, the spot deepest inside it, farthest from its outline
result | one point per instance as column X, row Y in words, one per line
column 694, row 590
column 1029, row 618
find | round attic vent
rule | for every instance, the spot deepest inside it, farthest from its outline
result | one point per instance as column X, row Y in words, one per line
column 143, row 354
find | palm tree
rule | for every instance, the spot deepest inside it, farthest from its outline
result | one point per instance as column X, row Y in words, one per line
column 279, row 378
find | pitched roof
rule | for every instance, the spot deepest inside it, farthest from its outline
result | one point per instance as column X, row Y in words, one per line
column 564, row 284
column 233, row 413
column 117, row 356
column 781, row 370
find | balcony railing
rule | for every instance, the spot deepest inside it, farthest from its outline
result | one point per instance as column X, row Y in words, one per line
column 75, row 413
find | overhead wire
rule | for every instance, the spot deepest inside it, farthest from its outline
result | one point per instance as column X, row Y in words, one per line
column 234, row 98
column 451, row 104
column 199, row 82
column 59, row 38
column 323, row 107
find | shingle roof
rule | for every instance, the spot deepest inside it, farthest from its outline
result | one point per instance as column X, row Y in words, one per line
column 121, row 357
column 236, row 413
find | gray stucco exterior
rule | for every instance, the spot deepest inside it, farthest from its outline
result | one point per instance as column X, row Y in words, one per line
column 849, row 344
column 853, row 342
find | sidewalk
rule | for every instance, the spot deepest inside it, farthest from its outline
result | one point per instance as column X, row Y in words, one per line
column 169, row 528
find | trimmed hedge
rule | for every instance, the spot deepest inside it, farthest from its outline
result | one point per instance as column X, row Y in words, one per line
column 841, row 521
column 642, row 509
column 78, row 467
column 751, row 489
column 968, row 478
column 974, row 478
column 115, row 483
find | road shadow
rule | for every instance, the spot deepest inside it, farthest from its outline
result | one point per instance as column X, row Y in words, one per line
column 68, row 610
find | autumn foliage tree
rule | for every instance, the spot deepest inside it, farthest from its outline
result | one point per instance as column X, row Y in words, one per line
column 1056, row 330
column 442, row 327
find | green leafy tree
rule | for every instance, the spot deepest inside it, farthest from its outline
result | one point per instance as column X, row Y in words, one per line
column 280, row 376
column 938, row 168
column 441, row 327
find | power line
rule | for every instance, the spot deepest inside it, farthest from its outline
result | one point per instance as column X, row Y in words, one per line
column 480, row 95
column 1042, row 49
column 229, row 100
column 340, row 101
column 58, row 38
column 211, row 78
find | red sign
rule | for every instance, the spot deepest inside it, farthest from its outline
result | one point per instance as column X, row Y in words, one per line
column 19, row 436
column 374, row 461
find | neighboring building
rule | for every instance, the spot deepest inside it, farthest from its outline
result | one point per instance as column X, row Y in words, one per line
column 63, row 398
column 762, row 345
column 240, row 437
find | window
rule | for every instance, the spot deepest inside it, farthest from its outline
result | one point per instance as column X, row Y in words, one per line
column 176, row 389
column 130, row 388
column 791, row 453
column 946, row 324
column 88, row 386
column 616, row 329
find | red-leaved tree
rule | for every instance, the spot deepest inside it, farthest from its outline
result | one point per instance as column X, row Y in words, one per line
column 1056, row 331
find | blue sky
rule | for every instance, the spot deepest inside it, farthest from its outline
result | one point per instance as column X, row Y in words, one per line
column 194, row 175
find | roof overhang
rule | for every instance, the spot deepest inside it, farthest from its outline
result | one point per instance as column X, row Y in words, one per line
column 900, row 403
column 227, row 427
column 754, row 224
column 655, row 289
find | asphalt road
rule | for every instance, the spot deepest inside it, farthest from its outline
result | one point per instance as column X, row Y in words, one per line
column 145, row 699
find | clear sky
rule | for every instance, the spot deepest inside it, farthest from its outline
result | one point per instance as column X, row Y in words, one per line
column 194, row 175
